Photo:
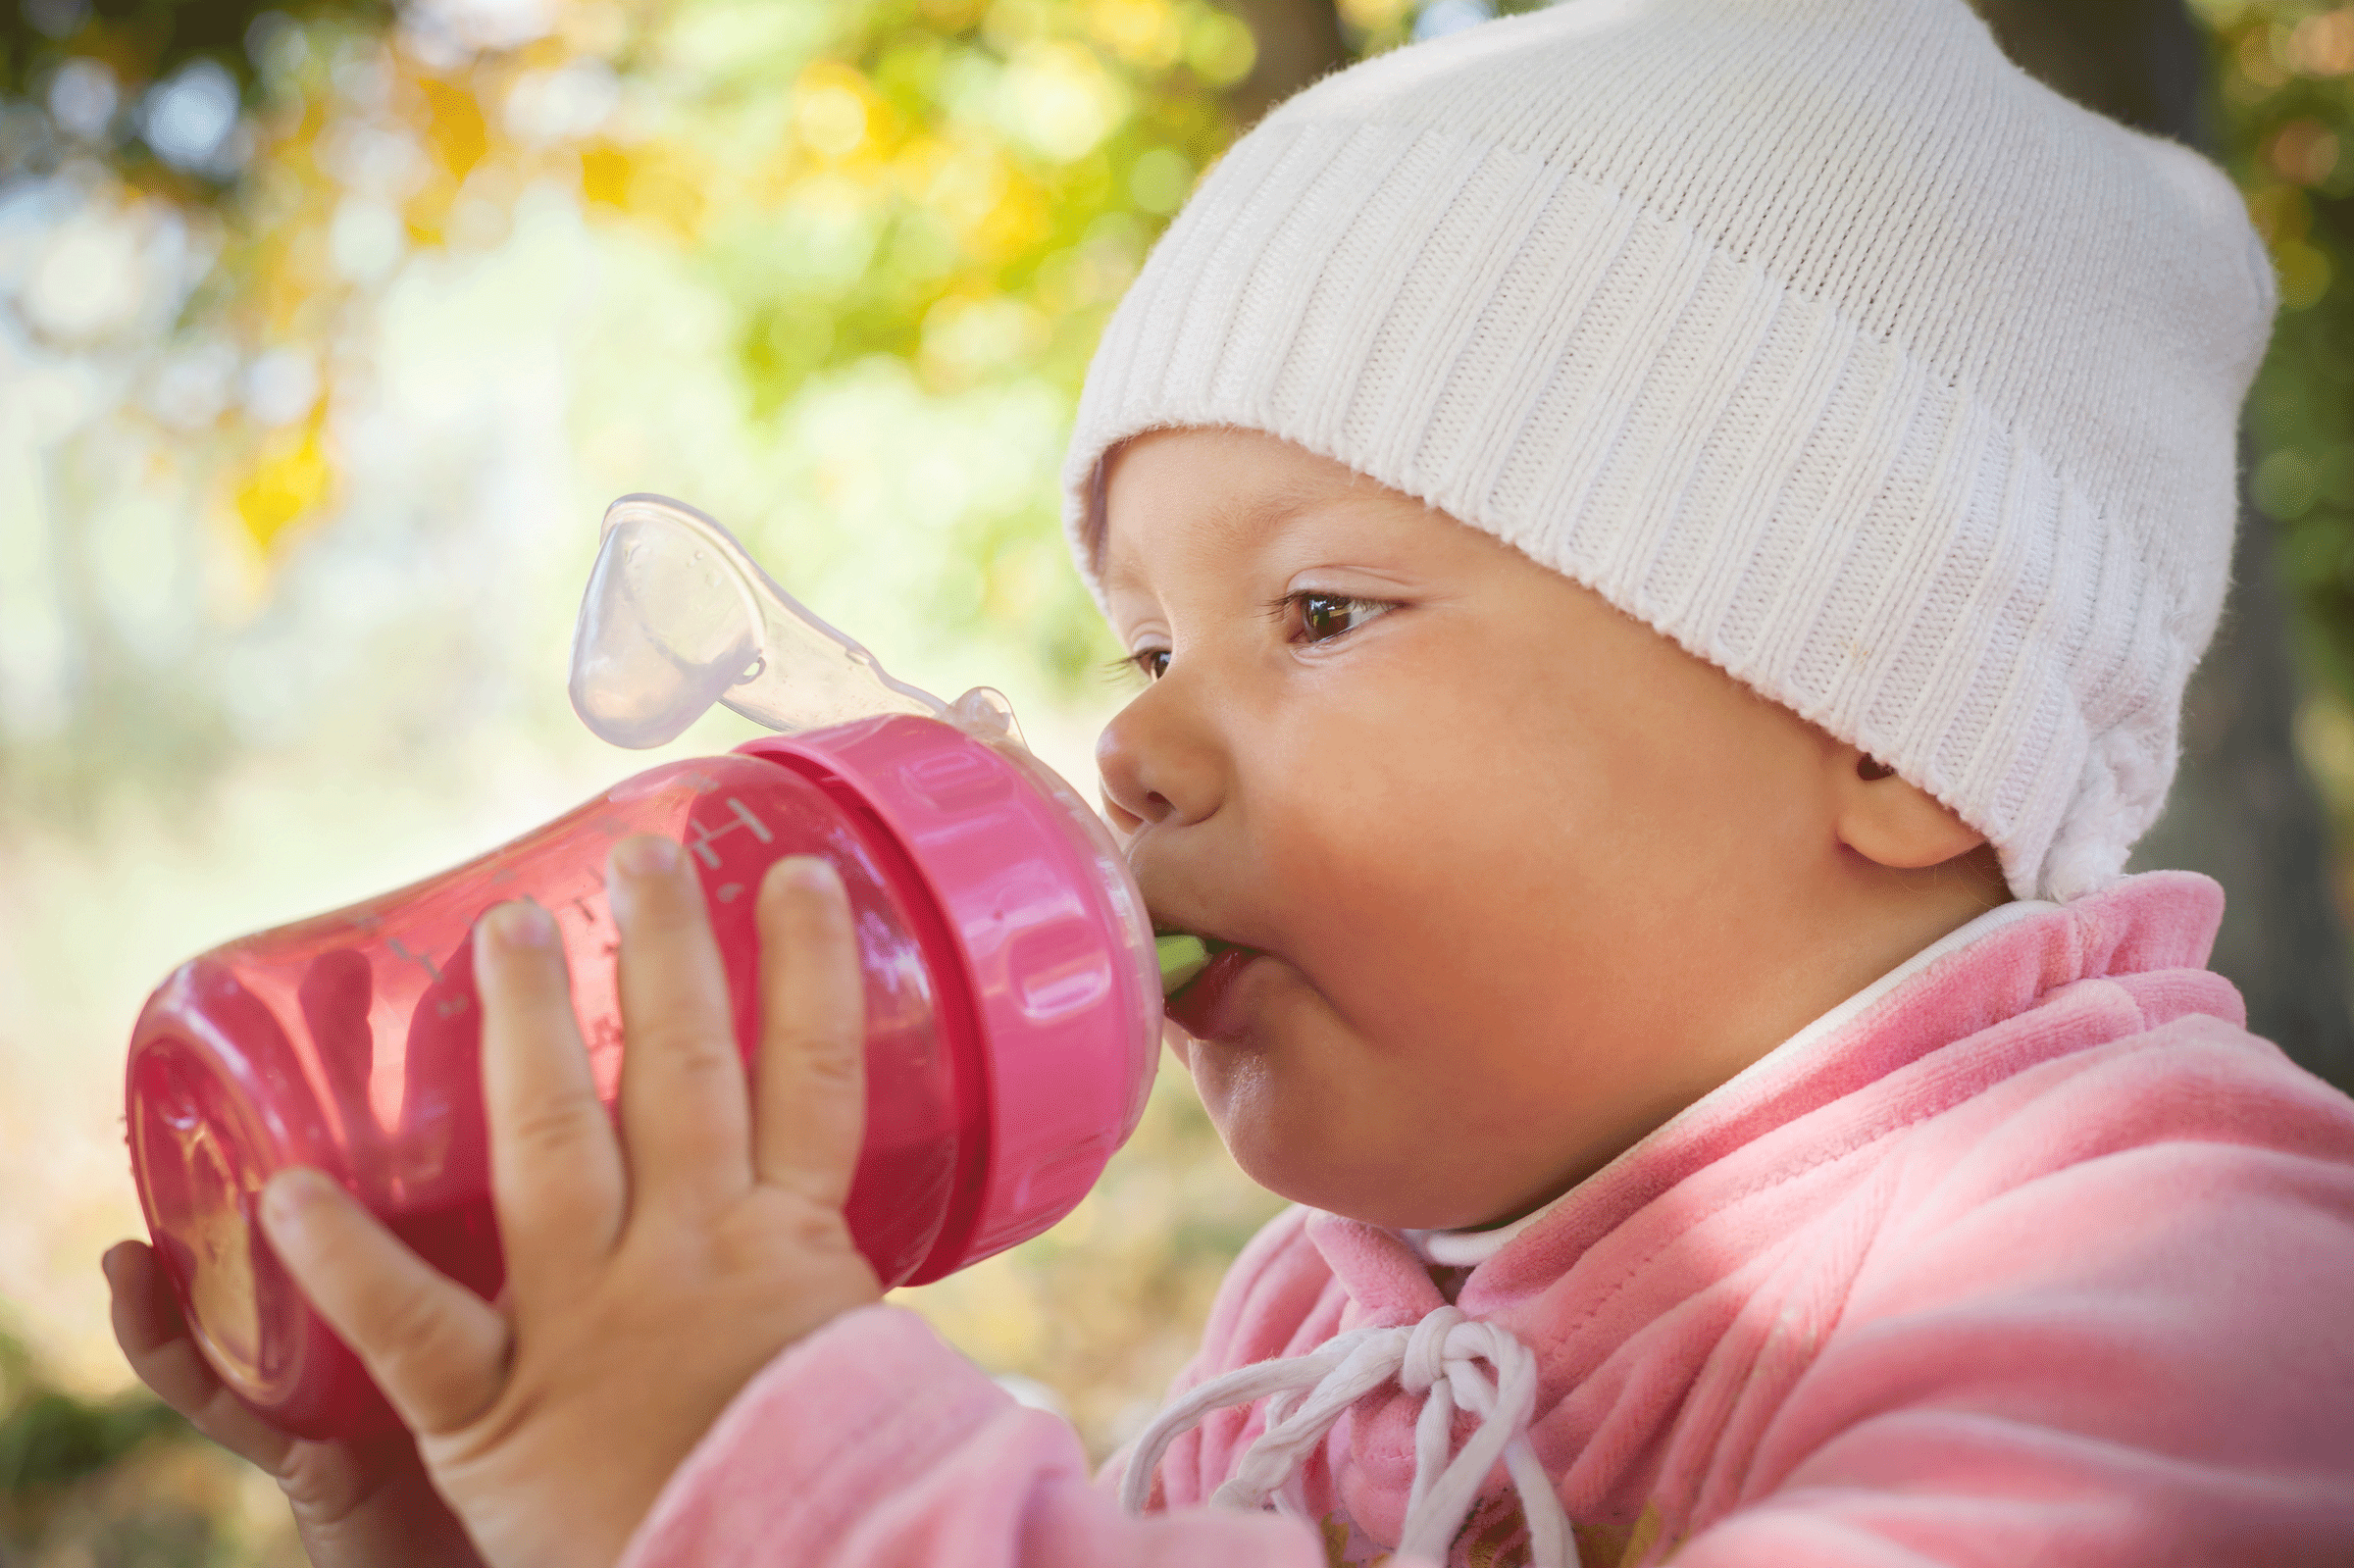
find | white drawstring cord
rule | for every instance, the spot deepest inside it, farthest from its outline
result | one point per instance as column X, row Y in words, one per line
column 1437, row 1358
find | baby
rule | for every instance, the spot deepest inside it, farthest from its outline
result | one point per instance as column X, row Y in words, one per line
column 1667, row 537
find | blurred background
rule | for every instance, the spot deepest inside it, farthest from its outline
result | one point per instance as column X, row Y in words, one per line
column 327, row 330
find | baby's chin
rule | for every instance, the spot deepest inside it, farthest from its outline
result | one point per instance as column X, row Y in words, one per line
column 1392, row 1186
column 1297, row 1106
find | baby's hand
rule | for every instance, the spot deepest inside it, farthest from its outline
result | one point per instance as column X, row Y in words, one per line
column 356, row 1504
column 643, row 1292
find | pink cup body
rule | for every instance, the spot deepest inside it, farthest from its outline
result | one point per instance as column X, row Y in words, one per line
column 1002, row 1005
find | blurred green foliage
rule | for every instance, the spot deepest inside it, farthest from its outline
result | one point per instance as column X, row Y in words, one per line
column 963, row 185
column 57, row 1449
column 139, row 45
column 960, row 189
column 2284, row 88
column 959, row 186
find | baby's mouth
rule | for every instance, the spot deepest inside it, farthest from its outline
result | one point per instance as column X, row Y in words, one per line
column 1197, row 967
column 1196, row 974
column 1183, row 959
column 1202, row 1007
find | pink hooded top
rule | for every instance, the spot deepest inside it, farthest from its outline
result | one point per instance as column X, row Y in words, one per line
column 2029, row 1253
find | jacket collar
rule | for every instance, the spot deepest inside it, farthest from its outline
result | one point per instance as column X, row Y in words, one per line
column 1991, row 969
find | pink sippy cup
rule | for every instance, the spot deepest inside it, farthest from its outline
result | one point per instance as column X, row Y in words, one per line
column 1013, row 999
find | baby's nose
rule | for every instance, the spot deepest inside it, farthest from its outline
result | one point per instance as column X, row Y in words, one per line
column 1153, row 768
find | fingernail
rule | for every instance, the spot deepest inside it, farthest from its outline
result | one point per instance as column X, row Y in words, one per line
column 520, row 924
column 809, row 873
column 647, row 855
column 290, row 1198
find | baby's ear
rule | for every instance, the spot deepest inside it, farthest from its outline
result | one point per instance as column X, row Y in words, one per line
column 1890, row 821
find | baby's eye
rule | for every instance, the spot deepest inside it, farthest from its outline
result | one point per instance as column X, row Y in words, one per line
column 1327, row 616
column 1152, row 663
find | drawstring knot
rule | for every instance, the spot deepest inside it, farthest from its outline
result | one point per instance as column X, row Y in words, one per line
column 1437, row 1360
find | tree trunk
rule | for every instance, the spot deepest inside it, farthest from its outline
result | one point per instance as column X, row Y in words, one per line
column 1299, row 40
column 2243, row 810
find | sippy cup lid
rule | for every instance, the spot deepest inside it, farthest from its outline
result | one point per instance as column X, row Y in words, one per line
column 678, row 617
column 1052, row 937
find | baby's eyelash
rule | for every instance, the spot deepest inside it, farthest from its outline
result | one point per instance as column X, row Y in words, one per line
column 1278, row 610
column 1130, row 665
column 1282, row 611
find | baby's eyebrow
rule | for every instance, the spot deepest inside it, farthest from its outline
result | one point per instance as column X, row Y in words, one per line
column 1230, row 528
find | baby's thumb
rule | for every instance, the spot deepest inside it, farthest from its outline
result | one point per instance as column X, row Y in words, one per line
column 156, row 1341
column 438, row 1350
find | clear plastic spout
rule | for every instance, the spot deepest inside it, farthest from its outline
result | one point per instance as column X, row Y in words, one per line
column 678, row 617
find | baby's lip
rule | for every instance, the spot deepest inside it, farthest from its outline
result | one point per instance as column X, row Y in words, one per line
column 1203, row 1008
column 1166, row 925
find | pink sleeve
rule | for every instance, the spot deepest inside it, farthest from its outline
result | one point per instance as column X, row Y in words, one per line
column 872, row 1444
column 2139, row 1360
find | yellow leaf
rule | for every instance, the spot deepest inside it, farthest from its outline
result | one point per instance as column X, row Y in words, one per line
column 1373, row 16
column 654, row 181
column 454, row 126
column 1020, row 219
column 669, row 189
column 289, row 478
column 1143, row 33
column 605, row 175
column 426, row 215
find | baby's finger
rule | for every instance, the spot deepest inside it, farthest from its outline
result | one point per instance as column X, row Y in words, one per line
column 812, row 1093
column 682, row 1102
column 555, row 1170
column 156, row 1341
column 438, row 1350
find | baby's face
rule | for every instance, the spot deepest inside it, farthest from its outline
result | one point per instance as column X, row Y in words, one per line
column 1523, row 877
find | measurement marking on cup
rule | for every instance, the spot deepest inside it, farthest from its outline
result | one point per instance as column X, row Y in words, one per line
column 401, row 950
column 704, row 834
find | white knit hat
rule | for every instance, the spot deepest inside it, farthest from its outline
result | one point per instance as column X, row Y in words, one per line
column 1811, row 333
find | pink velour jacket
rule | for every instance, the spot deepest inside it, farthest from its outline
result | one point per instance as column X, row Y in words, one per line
column 2035, row 1256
